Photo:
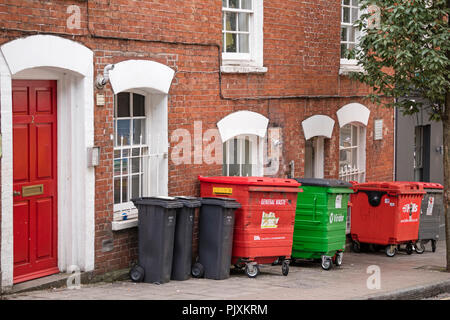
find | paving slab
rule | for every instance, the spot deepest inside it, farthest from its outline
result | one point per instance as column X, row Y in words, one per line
column 401, row 276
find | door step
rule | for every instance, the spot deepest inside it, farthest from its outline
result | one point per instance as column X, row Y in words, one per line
column 54, row 281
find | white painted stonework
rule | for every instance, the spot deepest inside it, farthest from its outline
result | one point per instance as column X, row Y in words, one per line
column 318, row 126
column 71, row 65
column 141, row 74
column 153, row 80
column 242, row 123
column 353, row 113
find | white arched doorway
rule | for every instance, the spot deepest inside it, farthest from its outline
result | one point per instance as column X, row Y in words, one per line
column 69, row 65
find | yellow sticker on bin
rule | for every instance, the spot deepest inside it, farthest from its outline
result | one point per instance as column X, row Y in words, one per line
column 222, row 190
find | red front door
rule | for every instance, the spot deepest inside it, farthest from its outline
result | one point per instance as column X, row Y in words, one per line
column 34, row 178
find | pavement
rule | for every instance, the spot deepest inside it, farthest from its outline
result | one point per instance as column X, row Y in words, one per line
column 362, row 276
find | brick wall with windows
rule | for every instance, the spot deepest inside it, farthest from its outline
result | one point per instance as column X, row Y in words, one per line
column 301, row 53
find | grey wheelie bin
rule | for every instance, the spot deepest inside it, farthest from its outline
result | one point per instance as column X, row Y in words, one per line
column 215, row 240
column 182, row 250
column 156, row 231
column 431, row 216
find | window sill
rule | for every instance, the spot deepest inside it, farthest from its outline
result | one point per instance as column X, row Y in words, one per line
column 346, row 69
column 125, row 224
column 242, row 69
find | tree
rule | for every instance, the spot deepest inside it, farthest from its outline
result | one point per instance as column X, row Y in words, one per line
column 404, row 51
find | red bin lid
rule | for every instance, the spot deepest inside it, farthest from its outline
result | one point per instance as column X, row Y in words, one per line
column 253, row 181
column 394, row 187
column 429, row 185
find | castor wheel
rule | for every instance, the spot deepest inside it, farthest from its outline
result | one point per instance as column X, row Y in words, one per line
column 327, row 263
column 420, row 247
column 409, row 248
column 391, row 250
column 197, row 270
column 338, row 258
column 251, row 270
column 285, row 267
column 433, row 245
column 356, row 246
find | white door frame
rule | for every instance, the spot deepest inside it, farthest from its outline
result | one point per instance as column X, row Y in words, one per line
column 71, row 64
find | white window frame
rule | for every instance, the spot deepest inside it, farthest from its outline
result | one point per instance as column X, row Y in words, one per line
column 253, row 61
column 128, row 207
column 257, row 156
column 349, row 65
column 357, row 173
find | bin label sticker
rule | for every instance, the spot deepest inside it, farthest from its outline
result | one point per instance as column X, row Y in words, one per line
column 269, row 221
column 392, row 204
column 257, row 238
column 430, row 206
column 170, row 220
column 338, row 203
column 217, row 190
column 387, row 200
column 410, row 207
column 335, row 218
column 274, row 202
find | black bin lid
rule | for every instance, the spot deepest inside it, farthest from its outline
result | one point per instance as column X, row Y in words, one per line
column 160, row 201
column 223, row 202
column 329, row 183
column 190, row 202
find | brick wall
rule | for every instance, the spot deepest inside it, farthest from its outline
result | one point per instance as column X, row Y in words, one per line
column 301, row 51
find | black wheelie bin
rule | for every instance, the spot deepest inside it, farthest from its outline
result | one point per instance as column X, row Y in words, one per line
column 182, row 251
column 215, row 240
column 156, row 231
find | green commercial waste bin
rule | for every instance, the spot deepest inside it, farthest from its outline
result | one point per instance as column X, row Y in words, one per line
column 320, row 221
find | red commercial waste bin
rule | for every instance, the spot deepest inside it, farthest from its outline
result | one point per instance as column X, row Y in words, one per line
column 387, row 214
column 264, row 225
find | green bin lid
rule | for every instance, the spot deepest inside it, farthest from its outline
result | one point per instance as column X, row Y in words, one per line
column 328, row 183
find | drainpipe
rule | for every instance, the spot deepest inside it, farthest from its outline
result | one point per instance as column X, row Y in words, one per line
column 394, row 173
column 101, row 81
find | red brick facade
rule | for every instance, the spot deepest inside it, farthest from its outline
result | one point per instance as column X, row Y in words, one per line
column 301, row 52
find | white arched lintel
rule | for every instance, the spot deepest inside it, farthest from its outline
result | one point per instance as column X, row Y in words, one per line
column 47, row 51
column 318, row 126
column 141, row 74
column 242, row 123
column 353, row 112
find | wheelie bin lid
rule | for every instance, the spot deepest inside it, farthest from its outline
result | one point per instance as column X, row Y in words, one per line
column 329, row 183
column 160, row 201
column 258, row 181
column 429, row 185
column 190, row 202
column 395, row 187
column 228, row 203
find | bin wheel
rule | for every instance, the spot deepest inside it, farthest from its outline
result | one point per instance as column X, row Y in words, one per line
column 420, row 247
column 356, row 246
column 197, row 270
column 285, row 268
column 137, row 274
column 391, row 250
column 433, row 245
column 252, row 270
column 327, row 263
column 338, row 259
column 409, row 248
